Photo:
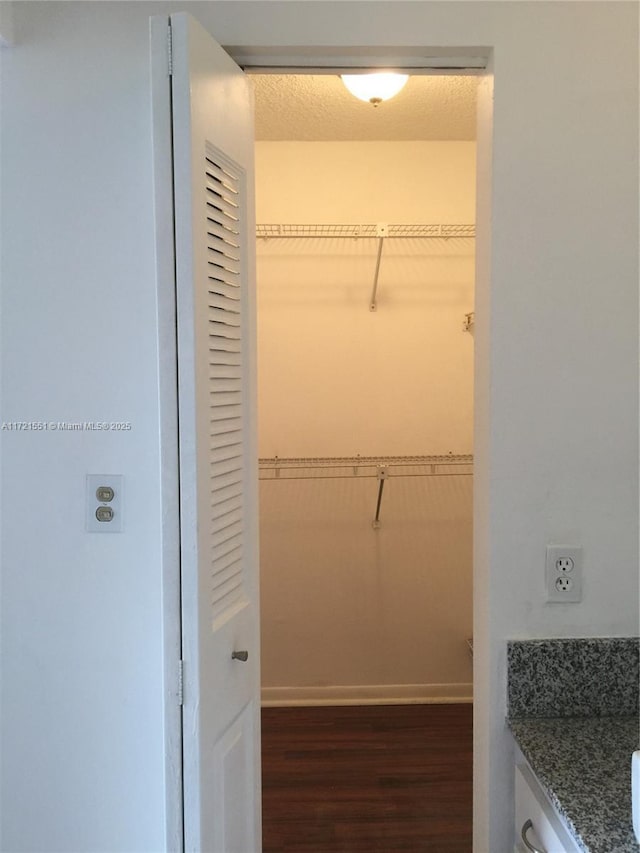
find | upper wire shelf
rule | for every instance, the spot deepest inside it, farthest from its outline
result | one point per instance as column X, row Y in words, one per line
column 276, row 468
column 354, row 231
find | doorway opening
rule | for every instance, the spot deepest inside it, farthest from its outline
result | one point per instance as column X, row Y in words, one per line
column 365, row 283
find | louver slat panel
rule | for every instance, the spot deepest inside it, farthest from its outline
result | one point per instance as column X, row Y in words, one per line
column 227, row 237
column 224, row 273
column 228, row 543
column 225, row 467
column 224, row 383
column 230, row 521
column 225, row 581
column 224, row 508
column 231, row 508
column 223, row 398
column 226, row 240
column 220, row 446
column 215, row 185
column 222, row 290
column 223, row 428
column 226, row 553
column 227, row 316
column 224, row 357
column 224, row 258
column 224, row 447
column 219, row 496
column 222, row 267
column 231, row 479
column 227, row 530
column 226, row 600
column 216, row 214
column 223, row 330
column 220, row 302
column 226, row 371
column 220, row 183
column 228, row 432
column 219, row 201
column 224, row 345
column 215, row 171
column 221, row 413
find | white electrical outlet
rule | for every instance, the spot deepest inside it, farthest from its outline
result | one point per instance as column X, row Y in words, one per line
column 564, row 573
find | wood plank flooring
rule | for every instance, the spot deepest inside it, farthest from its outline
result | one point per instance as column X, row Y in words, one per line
column 379, row 779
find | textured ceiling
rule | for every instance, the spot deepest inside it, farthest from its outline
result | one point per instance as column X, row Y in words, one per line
column 313, row 107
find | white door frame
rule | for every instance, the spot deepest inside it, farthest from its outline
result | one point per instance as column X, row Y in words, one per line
column 478, row 61
column 287, row 59
column 168, row 405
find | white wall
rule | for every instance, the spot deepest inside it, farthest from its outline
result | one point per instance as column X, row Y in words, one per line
column 336, row 379
column 556, row 387
column 6, row 23
column 348, row 612
column 556, row 313
column 83, row 764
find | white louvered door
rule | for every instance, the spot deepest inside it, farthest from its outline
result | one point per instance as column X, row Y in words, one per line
column 215, row 226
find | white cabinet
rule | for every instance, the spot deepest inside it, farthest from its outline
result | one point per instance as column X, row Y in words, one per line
column 536, row 818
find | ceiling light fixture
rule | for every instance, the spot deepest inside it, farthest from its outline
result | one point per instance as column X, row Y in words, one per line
column 376, row 87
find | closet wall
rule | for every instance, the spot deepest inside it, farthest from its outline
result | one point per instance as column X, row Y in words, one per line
column 349, row 612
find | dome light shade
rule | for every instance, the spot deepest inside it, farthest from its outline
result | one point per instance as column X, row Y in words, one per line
column 374, row 88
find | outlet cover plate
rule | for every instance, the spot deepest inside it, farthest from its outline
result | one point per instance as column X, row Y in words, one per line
column 564, row 574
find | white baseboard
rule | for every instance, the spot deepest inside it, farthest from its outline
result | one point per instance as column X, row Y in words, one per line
column 368, row 694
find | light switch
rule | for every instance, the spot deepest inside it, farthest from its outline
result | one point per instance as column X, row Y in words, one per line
column 104, row 503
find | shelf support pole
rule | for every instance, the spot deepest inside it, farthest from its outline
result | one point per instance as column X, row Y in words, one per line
column 381, row 232
column 382, row 476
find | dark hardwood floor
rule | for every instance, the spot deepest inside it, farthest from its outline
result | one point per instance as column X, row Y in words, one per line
column 379, row 779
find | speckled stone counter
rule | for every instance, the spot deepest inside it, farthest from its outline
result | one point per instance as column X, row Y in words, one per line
column 593, row 677
column 584, row 765
column 573, row 711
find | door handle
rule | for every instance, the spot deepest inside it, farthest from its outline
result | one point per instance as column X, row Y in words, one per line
column 239, row 656
column 526, row 826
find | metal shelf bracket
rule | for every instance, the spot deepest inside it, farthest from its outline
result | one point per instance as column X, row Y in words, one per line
column 382, row 476
column 382, row 231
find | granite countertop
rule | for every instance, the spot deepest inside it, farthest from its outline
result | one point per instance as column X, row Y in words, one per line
column 584, row 765
column 573, row 709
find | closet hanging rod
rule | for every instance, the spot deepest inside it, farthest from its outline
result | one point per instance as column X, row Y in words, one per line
column 343, row 467
column 354, row 231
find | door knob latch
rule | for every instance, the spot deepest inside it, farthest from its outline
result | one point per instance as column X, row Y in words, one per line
column 239, row 656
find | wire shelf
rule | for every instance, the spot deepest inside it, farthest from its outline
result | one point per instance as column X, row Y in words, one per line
column 276, row 468
column 270, row 230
